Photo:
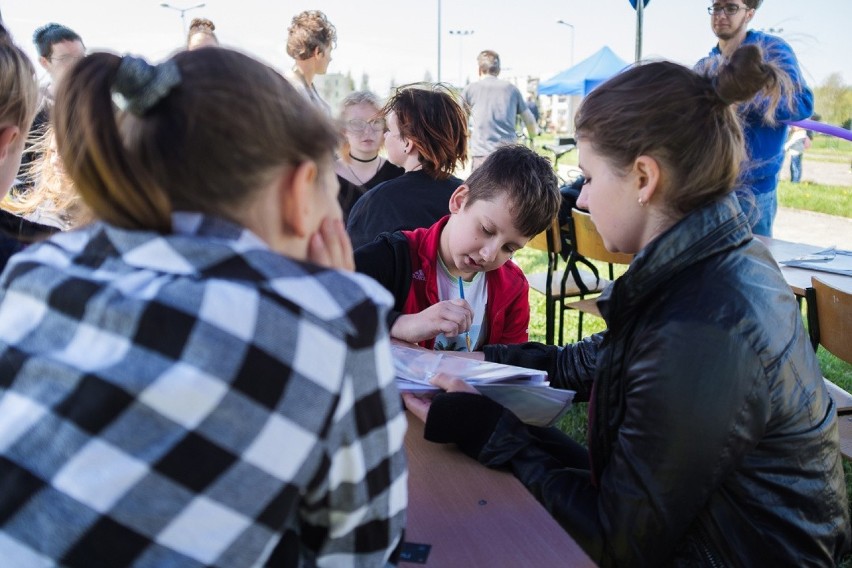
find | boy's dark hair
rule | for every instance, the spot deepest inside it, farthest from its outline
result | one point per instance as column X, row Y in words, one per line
column 527, row 180
column 50, row 34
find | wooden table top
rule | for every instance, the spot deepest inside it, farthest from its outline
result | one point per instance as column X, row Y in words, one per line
column 471, row 515
column 800, row 278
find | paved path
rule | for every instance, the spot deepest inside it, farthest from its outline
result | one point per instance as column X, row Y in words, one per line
column 824, row 173
column 817, row 228
column 813, row 228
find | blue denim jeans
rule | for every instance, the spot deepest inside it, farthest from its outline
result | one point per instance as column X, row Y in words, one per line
column 760, row 208
column 796, row 168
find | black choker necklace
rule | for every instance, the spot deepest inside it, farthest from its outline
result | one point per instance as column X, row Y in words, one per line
column 364, row 161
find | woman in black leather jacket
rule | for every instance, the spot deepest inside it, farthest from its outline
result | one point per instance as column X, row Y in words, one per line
column 712, row 439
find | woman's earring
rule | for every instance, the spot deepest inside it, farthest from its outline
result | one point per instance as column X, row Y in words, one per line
column 642, row 203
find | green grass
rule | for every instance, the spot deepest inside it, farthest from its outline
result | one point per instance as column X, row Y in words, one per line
column 830, row 149
column 828, row 199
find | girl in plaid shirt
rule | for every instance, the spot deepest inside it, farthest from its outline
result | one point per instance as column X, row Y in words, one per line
column 199, row 378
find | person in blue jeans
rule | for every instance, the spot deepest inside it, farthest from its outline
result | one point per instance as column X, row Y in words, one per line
column 765, row 135
column 796, row 146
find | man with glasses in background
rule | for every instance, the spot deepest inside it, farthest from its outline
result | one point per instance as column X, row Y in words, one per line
column 764, row 142
column 59, row 48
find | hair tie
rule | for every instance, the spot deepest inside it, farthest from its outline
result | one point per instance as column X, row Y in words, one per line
column 139, row 85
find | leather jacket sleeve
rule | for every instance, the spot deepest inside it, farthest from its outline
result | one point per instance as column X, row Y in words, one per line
column 387, row 260
column 690, row 414
column 571, row 367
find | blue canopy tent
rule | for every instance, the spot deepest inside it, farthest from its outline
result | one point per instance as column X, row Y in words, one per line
column 584, row 76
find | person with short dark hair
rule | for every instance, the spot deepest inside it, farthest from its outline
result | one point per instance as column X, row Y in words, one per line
column 712, row 439
column 59, row 48
column 765, row 134
column 496, row 105
column 512, row 197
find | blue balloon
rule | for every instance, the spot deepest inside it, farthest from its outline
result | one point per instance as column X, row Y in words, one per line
column 633, row 3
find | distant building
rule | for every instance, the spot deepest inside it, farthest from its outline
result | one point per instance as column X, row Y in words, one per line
column 333, row 87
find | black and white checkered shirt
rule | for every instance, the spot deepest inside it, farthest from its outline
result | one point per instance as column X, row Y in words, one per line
column 194, row 399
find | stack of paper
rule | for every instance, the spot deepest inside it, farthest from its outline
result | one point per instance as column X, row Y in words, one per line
column 829, row 260
column 523, row 391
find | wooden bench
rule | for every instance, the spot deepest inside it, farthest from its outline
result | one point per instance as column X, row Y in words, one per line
column 830, row 325
column 843, row 400
column 844, row 428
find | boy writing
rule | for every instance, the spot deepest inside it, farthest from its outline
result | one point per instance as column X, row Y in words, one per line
column 513, row 196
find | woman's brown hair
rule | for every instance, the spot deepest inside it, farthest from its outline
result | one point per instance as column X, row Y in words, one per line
column 227, row 126
column 18, row 86
column 433, row 119
column 685, row 120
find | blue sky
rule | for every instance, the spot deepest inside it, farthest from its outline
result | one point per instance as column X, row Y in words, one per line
column 392, row 40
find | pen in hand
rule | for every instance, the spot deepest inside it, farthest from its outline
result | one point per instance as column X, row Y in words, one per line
column 461, row 295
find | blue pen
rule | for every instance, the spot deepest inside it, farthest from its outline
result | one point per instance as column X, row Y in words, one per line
column 461, row 295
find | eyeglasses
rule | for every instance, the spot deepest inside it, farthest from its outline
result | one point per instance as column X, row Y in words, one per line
column 729, row 9
column 358, row 125
column 65, row 59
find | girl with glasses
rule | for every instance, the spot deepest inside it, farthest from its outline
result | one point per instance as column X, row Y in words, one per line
column 427, row 136
column 359, row 166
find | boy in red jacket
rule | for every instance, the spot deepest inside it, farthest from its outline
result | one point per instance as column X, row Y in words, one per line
column 512, row 197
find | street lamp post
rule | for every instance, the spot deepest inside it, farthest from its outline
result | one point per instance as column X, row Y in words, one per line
column 182, row 11
column 461, row 34
column 439, row 41
column 573, row 33
column 570, row 118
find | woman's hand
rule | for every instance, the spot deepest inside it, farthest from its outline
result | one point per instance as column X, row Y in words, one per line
column 450, row 317
column 330, row 246
column 418, row 404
